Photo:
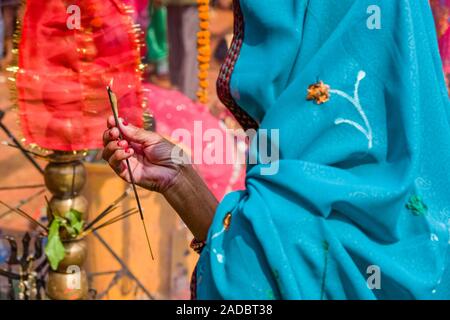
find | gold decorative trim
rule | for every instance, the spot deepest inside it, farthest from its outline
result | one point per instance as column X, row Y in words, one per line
column 13, row 69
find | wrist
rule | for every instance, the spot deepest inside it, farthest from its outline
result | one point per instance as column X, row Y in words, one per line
column 180, row 181
column 192, row 200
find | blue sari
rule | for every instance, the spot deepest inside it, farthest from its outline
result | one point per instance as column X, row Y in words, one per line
column 359, row 207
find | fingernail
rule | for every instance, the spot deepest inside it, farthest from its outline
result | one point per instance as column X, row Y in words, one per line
column 119, row 143
column 110, row 134
column 128, row 150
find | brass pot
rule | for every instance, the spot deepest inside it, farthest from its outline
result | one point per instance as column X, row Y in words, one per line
column 61, row 206
column 67, row 286
column 76, row 251
column 65, row 179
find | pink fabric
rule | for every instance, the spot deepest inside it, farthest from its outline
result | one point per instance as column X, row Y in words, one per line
column 441, row 10
column 140, row 11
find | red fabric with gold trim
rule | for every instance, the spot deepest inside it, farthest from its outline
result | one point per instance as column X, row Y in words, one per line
column 63, row 72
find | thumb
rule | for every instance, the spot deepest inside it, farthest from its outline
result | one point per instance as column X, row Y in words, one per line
column 137, row 135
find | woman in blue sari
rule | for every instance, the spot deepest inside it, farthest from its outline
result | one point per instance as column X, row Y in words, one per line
column 358, row 207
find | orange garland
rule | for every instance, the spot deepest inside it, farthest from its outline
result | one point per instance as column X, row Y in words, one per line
column 204, row 50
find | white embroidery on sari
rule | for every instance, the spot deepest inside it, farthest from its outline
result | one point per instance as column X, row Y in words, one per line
column 215, row 235
column 367, row 131
column 220, row 257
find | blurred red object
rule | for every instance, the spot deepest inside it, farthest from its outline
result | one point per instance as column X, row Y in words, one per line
column 64, row 65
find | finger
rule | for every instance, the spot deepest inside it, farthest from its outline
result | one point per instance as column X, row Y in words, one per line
column 110, row 135
column 111, row 122
column 138, row 135
column 117, row 160
column 112, row 147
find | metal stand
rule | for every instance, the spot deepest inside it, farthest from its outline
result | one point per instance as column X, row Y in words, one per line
column 125, row 270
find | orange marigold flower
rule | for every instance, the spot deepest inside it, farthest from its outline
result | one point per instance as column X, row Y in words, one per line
column 203, row 8
column 319, row 92
column 203, row 59
column 204, row 34
column 204, row 84
column 203, row 15
column 203, row 42
column 203, row 67
column 204, row 25
column 204, row 50
column 202, row 75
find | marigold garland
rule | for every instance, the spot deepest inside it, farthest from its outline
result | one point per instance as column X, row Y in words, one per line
column 204, row 50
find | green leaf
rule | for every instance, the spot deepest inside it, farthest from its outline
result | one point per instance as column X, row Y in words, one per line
column 73, row 223
column 54, row 248
column 73, row 214
column 76, row 222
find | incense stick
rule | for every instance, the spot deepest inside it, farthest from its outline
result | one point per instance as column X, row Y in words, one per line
column 113, row 220
column 104, row 213
column 113, row 101
column 117, row 218
column 25, row 215
column 48, row 206
column 22, row 202
column 108, row 209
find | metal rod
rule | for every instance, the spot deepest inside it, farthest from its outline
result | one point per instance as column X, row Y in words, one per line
column 32, row 186
column 122, row 264
column 19, row 145
column 102, row 273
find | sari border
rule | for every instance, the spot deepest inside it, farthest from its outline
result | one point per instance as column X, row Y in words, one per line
column 227, row 68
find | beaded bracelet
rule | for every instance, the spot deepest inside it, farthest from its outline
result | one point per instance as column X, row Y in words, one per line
column 197, row 245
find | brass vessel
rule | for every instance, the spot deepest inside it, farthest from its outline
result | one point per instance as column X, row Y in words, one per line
column 60, row 206
column 76, row 251
column 65, row 177
column 67, row 286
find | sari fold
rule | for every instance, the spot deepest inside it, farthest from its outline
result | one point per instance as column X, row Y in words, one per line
column 358, row 207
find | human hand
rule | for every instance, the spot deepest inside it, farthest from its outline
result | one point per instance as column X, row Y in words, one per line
column 148, row 153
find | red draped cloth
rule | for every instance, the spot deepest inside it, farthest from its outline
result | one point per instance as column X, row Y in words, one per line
column 63, row 72
column 441, row 10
